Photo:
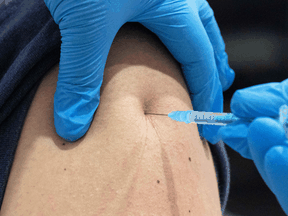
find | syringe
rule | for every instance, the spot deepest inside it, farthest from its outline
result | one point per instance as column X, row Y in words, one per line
column 211, row 118
column 198, row 117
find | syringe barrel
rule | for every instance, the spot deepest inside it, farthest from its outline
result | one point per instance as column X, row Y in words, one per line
column 203, row 117
column 212, row 118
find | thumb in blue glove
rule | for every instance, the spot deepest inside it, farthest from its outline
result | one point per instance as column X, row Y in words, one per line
column 269, row 150
column 248, row 104
column 187, row 28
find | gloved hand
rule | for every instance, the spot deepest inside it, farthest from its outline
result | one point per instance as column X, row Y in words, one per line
column 263, row 140
column 187, row 28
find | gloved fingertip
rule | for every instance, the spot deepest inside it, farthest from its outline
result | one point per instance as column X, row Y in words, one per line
column 230, row 77
column 72, row 138
column 226, row 131
column 227, row 136
column 277, row 156
column 210, row 132
column 69, row 130
column 71, row 135
column 267, row 130
column 236, row 105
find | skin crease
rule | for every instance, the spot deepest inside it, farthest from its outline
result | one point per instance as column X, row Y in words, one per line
column 128, row 163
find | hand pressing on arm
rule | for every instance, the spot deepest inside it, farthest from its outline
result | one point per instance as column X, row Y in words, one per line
column 186, row 27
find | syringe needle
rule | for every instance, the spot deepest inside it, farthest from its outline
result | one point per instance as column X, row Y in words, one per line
column 156, row 114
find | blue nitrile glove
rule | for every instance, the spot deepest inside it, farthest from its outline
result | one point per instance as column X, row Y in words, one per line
column 187, row 28
column 263, row 140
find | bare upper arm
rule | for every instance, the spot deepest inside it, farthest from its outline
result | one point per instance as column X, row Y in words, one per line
column 128, row 163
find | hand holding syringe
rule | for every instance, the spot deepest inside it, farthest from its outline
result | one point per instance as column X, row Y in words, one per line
column 211, row 118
